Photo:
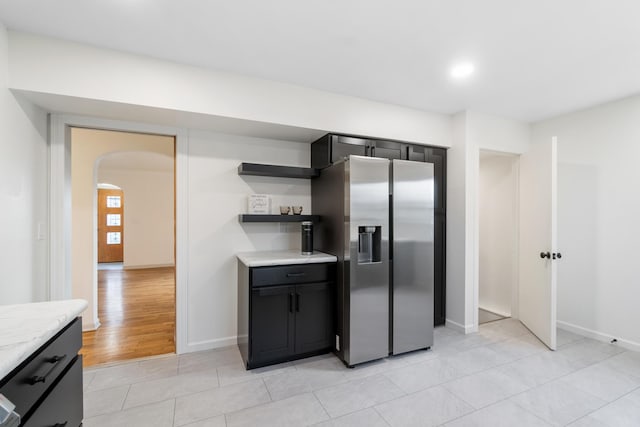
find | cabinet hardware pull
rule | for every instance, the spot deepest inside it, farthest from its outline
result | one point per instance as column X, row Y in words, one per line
column 295, row 274
column 60, row 424
column 43, row 378
column 298, row 303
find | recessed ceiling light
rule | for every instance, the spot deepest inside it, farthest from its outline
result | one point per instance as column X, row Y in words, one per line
column 462, row 70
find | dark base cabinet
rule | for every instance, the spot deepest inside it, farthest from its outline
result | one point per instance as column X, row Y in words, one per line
column 47, row 387
column 284, row 312
column 332, row 148
column 63, row 406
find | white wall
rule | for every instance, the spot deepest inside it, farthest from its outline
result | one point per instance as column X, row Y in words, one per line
column 87, row 147
column 56, row 67
column 217, row 194
column 458, row 266
column 598, row 211
column 23, row 193
column 148, row 215
column 498, row 207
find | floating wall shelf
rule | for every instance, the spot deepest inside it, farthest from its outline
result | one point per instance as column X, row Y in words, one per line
column 277, row 218
column 258, row 169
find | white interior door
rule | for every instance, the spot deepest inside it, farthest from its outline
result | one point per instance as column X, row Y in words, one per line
column 537, row 277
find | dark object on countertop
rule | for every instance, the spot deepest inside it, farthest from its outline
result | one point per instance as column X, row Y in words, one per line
column 306, row 244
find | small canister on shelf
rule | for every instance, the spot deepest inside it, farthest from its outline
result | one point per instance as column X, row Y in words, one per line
column 306, row 246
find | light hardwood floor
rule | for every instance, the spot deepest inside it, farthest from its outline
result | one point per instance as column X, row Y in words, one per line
column 136, row 309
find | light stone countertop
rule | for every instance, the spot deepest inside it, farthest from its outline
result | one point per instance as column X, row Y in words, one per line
column 267, row 258
column 25, row 327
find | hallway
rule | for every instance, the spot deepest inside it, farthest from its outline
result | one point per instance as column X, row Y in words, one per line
column 136, row 309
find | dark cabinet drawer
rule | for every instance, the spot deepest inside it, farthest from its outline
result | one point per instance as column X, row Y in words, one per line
column 29, row 381
column 63, row 405
column 291, row 274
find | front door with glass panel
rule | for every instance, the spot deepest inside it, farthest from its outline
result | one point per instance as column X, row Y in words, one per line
column 110, row 225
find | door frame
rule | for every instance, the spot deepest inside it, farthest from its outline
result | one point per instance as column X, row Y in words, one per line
column 475, row 230
column 60, row 286
column 515, row 258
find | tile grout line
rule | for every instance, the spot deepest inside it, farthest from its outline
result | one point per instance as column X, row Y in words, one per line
column 125, row 397
column 267, row 388
column 381, row 416
column 313, row 393
column 608, row 403
column 175, row 404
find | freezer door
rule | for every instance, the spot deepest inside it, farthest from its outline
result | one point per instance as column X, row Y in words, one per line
column 367, row 226
column 412, row 255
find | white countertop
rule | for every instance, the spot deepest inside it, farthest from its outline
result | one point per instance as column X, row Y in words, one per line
column 266, row 258
column 25, row 327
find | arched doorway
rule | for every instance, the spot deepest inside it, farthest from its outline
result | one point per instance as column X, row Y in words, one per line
column 134, row 300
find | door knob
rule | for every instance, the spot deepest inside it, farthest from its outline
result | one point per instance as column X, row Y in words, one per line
column 557, row 255
column 545, row 255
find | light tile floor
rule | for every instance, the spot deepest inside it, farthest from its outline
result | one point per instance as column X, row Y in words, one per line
column 500, row 376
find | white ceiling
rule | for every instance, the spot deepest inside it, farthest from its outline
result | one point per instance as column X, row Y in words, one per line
column 534, row 58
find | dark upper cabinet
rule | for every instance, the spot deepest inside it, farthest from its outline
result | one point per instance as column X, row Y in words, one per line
column 332, row 148
column 417, row 153
column 388, row 150
column 344, row 146
column 438, row 156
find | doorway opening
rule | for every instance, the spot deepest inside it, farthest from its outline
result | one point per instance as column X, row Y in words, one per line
column 498, row 236
column 133, row 288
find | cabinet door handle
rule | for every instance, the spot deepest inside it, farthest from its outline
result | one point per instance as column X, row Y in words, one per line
column 43, row 378
column 373, row 151
column 298, row 303
column 61, row 424
column 295, row 274
column 291, row 303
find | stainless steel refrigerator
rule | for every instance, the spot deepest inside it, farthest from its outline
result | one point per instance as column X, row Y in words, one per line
column 377, row 218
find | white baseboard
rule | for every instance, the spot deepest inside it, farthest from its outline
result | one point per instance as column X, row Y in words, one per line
column 140, row 267
column 210, row 344
column 498, row 312
column 599, row 336
column 91, row 326
column 459, row 327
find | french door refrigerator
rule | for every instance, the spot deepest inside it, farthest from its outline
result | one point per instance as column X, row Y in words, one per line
column 377, row 218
